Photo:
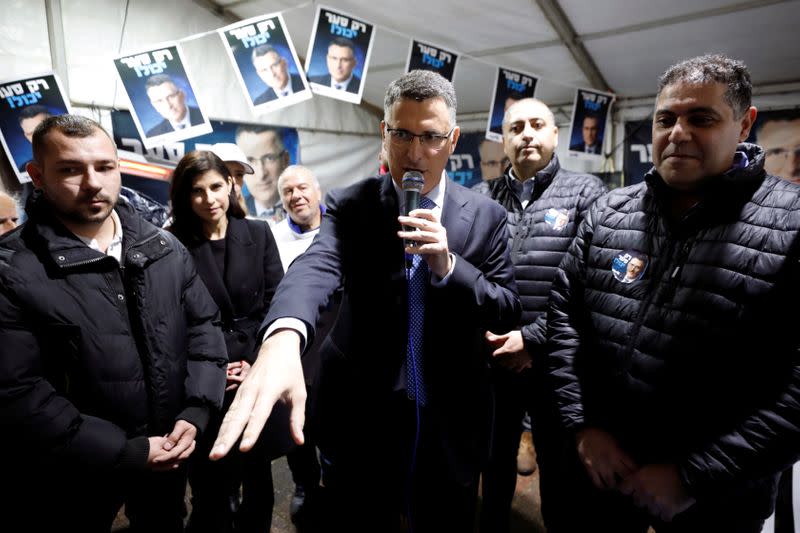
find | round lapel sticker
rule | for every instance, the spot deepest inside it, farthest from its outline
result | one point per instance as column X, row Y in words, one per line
column 556, row 218
column 629, row 266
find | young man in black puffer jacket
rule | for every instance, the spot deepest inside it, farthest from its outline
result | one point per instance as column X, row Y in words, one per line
column 111, row 361
column 545, row 204
column 675, row 365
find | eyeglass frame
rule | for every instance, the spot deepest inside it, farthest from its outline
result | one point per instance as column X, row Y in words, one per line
column 271, row 158
column 398, row 142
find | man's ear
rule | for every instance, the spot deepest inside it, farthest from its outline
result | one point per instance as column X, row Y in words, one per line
column 456, row 134
column 35, row 172
column 748, row 120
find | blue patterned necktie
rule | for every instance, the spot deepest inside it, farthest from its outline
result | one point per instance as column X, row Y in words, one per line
column 417, row 285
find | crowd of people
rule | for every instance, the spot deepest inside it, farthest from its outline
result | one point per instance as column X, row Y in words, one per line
column 391, row 340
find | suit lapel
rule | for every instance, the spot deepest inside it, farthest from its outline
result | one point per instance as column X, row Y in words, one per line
column 212, row 277
column 390, row 211
column 241, row 266
column 458, row 215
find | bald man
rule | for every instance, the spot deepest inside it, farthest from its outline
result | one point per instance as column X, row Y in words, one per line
column 8, row 213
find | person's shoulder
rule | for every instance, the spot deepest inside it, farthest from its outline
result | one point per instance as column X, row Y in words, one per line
column 11, row 244
column 581, row 181
column 195, row 116
column 779, row 193
column 160, row 128
column 324, row 79
column 267, row 96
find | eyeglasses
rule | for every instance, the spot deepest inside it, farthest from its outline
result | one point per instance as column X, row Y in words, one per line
column 431, row 141
column 783, row 153
column 266, row 158
column 168, row 98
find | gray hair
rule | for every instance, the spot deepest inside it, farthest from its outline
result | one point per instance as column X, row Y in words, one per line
column 159, row 79
column 263, row 50
column 421, row 85
column 714, row 68
column 550, row 114
column 296, row 169
column 68, row 125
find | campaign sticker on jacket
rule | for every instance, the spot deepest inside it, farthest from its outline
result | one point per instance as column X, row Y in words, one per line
column 556, row 218
column 629, row 266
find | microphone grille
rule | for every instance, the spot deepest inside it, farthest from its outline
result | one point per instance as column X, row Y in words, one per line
column 413, row 181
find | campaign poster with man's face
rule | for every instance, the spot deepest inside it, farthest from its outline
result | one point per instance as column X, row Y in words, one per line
column 163, row 101
column 268, row 149
column 778, row 133
column 509, row 86
column 25, row 104
column 589, row 114
column 424, row 56
column 339, row 55
column 266, row 64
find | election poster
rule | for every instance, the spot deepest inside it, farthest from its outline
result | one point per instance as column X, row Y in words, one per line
column 25, row 103
column 589, row 114
column 423, row 56
column 165, row 108
column 269, row 150
column 340, row 48
column 638, row 155
column 265, row 62
column 778, row 133
column 509, row 86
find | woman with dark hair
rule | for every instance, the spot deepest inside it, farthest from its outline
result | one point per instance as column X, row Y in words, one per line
column 238, row 260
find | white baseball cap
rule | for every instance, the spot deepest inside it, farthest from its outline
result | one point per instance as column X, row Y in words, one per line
column 231, row 152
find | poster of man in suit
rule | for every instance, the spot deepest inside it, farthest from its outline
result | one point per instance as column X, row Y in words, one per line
column 509, row 87
column 24, row 103
column 424, row 56
column 266, row 64
column 340, row 48
column 162, row 99
column 589, row 114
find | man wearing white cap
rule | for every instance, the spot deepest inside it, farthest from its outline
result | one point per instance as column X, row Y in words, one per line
column 237, row 165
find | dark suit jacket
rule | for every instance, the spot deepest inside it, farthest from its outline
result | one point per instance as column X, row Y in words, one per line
column 352, row 87
column 269, row 95
column 581, row 147
column 358, row 250
column 195, row 118
column 244, row 291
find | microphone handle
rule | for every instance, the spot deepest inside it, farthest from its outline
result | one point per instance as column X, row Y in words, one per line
column 411, row 203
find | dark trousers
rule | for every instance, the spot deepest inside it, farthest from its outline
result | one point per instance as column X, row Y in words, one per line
column 215, row 486
column 386, row 483
column 81, row 499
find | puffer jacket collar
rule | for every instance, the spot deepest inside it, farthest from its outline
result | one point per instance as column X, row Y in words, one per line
column 65, row 251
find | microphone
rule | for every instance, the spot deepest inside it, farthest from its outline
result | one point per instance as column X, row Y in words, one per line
column 412, row 185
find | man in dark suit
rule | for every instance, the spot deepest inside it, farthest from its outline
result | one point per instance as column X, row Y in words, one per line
column 170, row 102
column 272, row 68
column 341, row 61
column 413, row 400
column 590, row 131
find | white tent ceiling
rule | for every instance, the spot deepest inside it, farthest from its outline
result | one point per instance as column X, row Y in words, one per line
column 616, row 45
column 628, row 43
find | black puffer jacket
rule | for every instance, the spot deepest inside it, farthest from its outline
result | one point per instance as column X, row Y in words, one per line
column 96, row 358
column 697, row 362
column 539, row 236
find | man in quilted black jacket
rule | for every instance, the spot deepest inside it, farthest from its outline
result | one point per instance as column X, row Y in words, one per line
column 545, row 204
column 680, row 383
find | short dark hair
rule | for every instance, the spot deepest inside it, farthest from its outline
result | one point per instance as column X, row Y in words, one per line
column 32, row 111
column 159, row 79
column 257, row 129
column 186, row 225
column 263, row 50
column 421, row 85
column 344, row 42
column 69, row 125
column 714, row 68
